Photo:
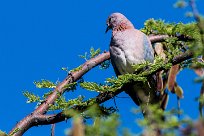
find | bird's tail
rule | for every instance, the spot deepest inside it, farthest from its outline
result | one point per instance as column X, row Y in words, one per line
column 147, row 93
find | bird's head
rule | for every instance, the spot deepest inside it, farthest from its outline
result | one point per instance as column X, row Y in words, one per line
column 118, row 22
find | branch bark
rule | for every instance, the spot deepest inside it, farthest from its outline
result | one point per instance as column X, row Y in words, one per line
column 39, row 117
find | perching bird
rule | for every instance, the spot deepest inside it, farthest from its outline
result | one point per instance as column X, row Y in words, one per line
column 130, row 46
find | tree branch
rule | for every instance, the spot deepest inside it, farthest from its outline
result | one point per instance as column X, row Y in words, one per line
column 101, row 98
column 30, row 120
column 195, row 10
column 161, row 38
column 52, row 129
column 38, row 117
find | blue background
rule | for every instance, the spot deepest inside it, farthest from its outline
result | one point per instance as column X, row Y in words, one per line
column 38, row 38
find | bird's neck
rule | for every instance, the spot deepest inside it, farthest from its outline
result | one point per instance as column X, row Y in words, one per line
column 123, row 26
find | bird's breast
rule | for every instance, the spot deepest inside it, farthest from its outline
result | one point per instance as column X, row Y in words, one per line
column 127, row 48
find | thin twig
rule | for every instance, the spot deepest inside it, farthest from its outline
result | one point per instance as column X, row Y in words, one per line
column 195, row 10
column 200, row 24
column 199, row 19
column 162, row 38
column 52, row 129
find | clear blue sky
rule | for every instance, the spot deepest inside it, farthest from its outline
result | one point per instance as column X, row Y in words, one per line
column 38, row 37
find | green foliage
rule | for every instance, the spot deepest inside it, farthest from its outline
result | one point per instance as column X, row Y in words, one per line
column 104, row 121
column 189, row 30
column 13, row 132
column 126, row 132
column 199, row 64
column 155, row 120
column 31, row 97
column 117, row 83
column 92, row 54
column 65, row 69
column 92, row 86
column 113, row 84
column 45, row 95
column 157, row 27
column 62, row 104
column 76, row 69
column 84, row 56
column 141, row 67
column 44, row 84
column 71, row 113
column 70, row 86
column 79, row 104
column 2, row 133
column 180, row 4
column 98, row 111
column 189, row 14
column 152, row 67
column 103, row 127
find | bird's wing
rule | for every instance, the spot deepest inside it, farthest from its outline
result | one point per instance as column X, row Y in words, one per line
column 148, row 50
column 115, row 68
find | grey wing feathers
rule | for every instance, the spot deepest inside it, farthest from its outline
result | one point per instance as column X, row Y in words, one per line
column 115, row 68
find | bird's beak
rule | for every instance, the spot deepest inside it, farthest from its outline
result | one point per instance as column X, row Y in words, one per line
column 108, row 28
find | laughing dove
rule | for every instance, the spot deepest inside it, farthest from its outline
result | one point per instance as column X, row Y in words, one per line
column 130, row 46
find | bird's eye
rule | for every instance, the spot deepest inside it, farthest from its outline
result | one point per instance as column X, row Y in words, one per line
column 109, row 20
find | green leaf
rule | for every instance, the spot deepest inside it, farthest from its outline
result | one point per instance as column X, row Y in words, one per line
column 14, row 131
column 76, row 69
column 62, row 104
column 103, row 127
column 180, row 4
column 93, row 86
column 31, row 97
column 94, row 52
column 3, row 133
column 44, row 84
column 84, row 56
column 65, row 69
column 70, row 86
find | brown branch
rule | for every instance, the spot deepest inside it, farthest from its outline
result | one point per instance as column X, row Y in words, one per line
column 158, row 38
column 102, row 97
column 49, row 119
column 38, row 117
column 30, row 120
column 161, row 38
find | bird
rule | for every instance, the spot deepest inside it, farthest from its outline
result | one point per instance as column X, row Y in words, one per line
column 128, row 47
